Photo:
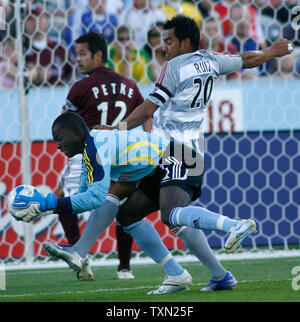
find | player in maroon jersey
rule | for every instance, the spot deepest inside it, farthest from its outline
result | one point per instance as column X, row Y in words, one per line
column 103, row 98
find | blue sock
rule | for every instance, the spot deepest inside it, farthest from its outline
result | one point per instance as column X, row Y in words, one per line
column 201, row 218
column 148, row 239
column 98, row 221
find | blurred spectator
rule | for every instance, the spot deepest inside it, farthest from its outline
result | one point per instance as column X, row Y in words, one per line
column 115, row 7
column 172, row 7
column 94, row 17
column 10, row 20
column 206, row 6
column 241, row 28
column 140, row 17
column 46, row 61
column 8, row 65
column 125, row 58
column 256, row 33
column 59, row 12
column 212, row 39
column 241, row 33
column 286, row 68
column 154, row 51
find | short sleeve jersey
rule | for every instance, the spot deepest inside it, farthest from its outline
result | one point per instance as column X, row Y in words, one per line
column 183, row 90
column 103, row 98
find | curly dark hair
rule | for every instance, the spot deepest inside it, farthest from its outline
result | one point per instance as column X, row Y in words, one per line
column 184, row 27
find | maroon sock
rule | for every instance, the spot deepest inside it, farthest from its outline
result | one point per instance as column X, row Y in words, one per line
column 124, row 241
column 70, row 226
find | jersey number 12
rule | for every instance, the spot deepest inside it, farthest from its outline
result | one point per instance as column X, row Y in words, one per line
column 103, row 109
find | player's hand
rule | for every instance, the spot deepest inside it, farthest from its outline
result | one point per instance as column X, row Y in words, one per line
column 27, row 214
column 103, row 127
column 282, row 47
column 43, row 203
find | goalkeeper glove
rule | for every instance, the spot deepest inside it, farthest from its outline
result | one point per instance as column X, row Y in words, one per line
column 44, row 203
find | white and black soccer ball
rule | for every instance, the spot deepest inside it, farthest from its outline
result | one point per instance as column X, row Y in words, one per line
column 29, row 213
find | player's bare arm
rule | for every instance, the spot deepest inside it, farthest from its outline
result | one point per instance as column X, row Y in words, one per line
column 279, row 48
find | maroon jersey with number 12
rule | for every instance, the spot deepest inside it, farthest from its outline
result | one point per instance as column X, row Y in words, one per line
column 103, row 98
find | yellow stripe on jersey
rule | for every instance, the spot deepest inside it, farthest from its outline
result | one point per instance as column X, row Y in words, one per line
column 89, row 168
column 139, row 158
column 138, row 145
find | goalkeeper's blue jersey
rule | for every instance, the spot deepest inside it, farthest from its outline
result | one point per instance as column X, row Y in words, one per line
column 117, row 156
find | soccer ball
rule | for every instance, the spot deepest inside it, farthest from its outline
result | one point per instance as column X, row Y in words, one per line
column 29, row 213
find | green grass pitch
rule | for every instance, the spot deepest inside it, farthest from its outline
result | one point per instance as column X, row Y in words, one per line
column 259, row 280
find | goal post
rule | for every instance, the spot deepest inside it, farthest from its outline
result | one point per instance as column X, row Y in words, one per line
column 24, row 121
column 252, row 132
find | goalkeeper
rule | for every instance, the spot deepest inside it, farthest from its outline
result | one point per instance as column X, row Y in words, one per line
column 130, row 156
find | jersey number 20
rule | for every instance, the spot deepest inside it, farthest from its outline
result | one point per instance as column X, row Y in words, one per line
column 205, row 94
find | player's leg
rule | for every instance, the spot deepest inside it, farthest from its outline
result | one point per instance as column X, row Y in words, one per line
column 68, row 184
column 69, row 222
column 102, row 217
column 131, row 217
column 98, row 221
column 201, row 218
column 179, row 173
column 177, row 189
column 193, row 239
column 124, row 242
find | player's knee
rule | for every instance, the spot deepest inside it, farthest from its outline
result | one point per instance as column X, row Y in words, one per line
column 164, row 216
column 124, row 219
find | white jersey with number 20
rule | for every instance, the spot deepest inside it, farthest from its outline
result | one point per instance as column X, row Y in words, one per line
column 183, row 91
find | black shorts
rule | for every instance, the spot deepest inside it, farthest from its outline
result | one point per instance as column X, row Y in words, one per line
column 181, row 167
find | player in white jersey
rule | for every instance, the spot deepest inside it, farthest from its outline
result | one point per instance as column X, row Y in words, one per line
column 177, row 105
column 183, row 92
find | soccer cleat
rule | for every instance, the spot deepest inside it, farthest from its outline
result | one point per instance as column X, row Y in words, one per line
column 228, row 282
column 238, row 233
column 86, row 273
column 74, row 261
column 125, row 274
column 174, row 284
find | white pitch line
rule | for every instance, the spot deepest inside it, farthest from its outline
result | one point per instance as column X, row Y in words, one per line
column 78, row 292
column 117, row 289
column 262, row 254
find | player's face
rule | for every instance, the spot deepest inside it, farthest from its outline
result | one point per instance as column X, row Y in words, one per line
column 171, row 44
column 67, row 141
column 85, row 63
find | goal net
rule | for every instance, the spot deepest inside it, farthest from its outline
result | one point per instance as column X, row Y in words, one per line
column 252, row 126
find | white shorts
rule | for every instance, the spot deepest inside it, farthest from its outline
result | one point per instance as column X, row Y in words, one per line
column 70, row 175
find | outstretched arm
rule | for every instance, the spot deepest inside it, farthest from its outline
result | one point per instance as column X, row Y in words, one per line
column 279, row 48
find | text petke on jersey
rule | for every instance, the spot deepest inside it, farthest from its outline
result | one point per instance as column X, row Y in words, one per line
column 112, row 88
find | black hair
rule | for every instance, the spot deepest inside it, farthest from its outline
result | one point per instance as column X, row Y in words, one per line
column 95, row 41
column 72, row 121
column 184, row 27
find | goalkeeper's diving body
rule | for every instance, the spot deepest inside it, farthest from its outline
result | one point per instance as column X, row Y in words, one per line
column 110, row 157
